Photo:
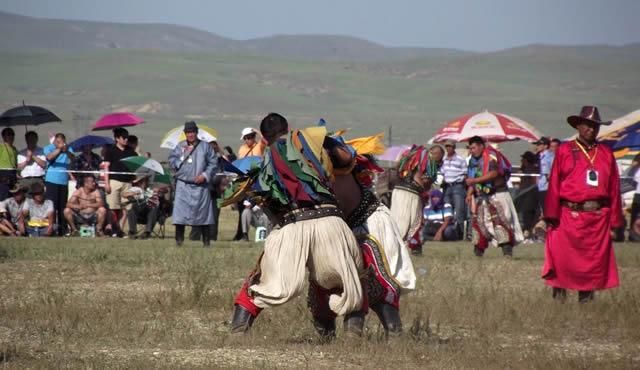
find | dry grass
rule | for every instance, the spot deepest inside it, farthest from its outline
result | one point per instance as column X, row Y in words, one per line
column 140, row 304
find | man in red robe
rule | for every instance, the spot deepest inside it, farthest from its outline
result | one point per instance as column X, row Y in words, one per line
column 583, row 204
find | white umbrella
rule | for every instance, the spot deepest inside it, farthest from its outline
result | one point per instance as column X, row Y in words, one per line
column 176, row 135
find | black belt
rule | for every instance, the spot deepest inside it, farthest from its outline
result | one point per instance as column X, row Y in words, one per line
column 368, row 205
column 586, row 206
column 302, row 214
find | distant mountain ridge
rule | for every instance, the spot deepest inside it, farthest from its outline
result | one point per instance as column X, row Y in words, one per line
column 28, row 33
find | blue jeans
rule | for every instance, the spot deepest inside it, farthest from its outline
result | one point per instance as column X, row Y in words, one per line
column 37, row 232
column 455, row 195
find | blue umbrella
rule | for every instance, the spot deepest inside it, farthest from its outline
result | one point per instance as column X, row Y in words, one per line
column 247, row 163
column 92, row 140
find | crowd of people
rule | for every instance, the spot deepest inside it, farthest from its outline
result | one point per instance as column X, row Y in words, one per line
column 314, row 196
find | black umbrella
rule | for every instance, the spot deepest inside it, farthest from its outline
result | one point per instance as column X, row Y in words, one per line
column 27, row 115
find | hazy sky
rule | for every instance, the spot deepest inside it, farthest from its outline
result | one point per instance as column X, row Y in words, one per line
column 472, row 24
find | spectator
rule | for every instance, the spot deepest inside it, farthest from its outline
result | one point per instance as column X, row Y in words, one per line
column 251, row 145
column 195, row 164
column 526, row 200
column 118, row 183
column 15, row 205
column 87, row 160
column 59, row 158
column 217, row 187
column 555, row 143
column 454, row 171
column 38, row 216
column 133, row 144
column 252, row 216
column 31, row 161
column 8, row 162
column 86, row 207
column 546, row 160
column 439, row 224
column 144, row 203
column 6, row 226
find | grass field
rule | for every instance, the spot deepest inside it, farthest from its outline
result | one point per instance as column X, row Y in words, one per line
column 96, row 303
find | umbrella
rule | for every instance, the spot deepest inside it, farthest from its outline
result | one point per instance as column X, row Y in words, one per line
column 136, row 163
column 176, row 135
column 92, row 140
column 393, row 153
column 113, row 120
column 494, row 127
column 27, row 115
column 247, row 163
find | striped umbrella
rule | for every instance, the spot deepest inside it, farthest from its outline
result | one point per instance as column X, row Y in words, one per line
column 493, row 127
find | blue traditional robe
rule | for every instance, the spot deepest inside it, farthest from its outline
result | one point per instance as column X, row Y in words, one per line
column 193, row 204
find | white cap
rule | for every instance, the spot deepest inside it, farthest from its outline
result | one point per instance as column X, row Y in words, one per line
column 246, row 131
column 246, row 203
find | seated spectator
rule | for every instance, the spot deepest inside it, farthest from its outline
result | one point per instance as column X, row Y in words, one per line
column 252, row 216
column 438, row 218
column 15, row 205
column 143, row 203
column 85, row 207
column 38, row 218
column 6, row 227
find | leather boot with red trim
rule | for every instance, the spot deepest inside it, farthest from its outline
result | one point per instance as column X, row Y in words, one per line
column 242, row 320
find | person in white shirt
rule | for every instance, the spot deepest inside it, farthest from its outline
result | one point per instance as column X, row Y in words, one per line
column 454, row 171
column 31, row 161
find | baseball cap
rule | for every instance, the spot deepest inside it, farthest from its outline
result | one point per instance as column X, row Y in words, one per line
column 543, row 140
column 246, row 131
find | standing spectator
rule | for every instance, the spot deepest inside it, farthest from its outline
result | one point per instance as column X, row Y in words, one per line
column 8, row 162
column 118, row 183
column 15, row 205
column 38, row 217
column 133, row 144
column 195, row 164
column 87, row 160
column 252, row 216
column 86, row 207
column 251, row 146
column 555, row 143
column 454, row 171
column 546, row 160
column 582, row 206
column 31, row 161
column 59, row 157
column 526, row 200
column 634, row 225
column 217, row 187
column 494, row 219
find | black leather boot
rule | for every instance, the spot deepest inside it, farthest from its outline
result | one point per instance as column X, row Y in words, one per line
column 560, row 294
column 584, row 296
column 325, row 327
column 354, row 323
column 179, row 235
column 242, row 320
column 389, row 317
column 206, row 239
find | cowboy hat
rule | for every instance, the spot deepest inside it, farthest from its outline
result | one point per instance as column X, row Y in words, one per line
column 589, row 114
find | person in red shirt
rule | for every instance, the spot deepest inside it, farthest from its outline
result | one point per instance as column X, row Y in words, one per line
column 583, row 204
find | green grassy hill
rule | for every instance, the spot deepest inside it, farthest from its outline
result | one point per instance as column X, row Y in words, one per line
column 229, row 91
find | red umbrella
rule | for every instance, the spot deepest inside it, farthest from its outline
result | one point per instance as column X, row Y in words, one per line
column 113, row 120
column 494, row 127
